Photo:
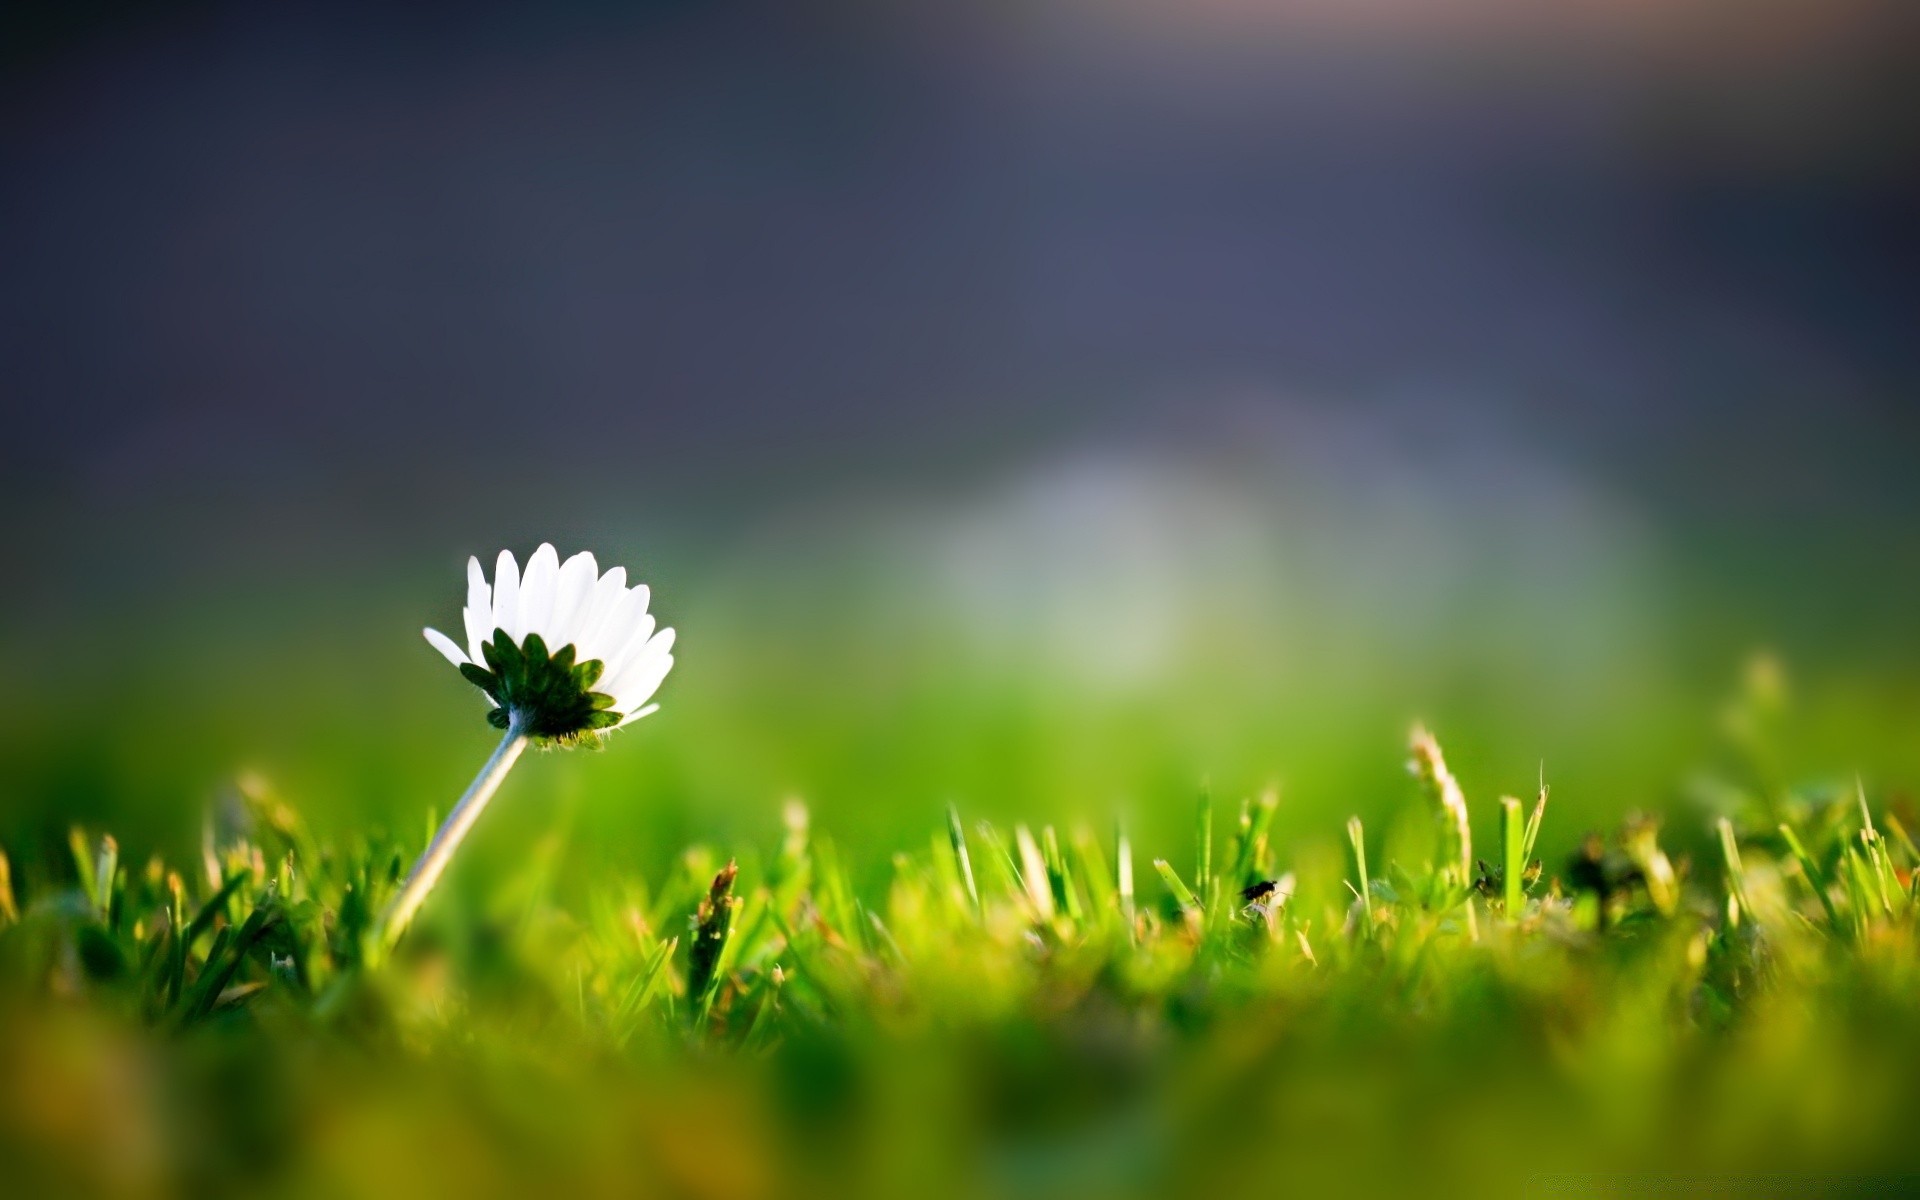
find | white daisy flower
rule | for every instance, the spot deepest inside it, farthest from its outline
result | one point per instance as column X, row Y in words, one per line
column 564, row 654
column 563, row 649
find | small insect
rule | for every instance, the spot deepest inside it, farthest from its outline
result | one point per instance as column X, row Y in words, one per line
column 1263, row 898
column 1257, row 891
column 1486, row 880
column 1489, row 882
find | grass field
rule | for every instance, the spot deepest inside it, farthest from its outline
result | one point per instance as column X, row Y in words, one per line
column 995, row 1009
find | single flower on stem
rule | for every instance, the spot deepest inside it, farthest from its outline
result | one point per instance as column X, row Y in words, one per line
column 564, row 654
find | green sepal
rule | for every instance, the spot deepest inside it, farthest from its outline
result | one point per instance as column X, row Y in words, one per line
column 546, row 691
column 481, row 678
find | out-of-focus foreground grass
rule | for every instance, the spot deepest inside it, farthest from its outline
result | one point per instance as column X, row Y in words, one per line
column 1014, row 1009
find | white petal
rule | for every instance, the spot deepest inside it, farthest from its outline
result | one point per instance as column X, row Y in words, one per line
column 632, row 645
column 638, row 682
column 570, row 595
column 600, row 603
column 633, row 603
column 630, row 718
column 479, row 595
column 444, row 644
column 536, row 594
column 479, row 625
column 478, row 615
column 506, row 593
column 628, row 683
column 615, row 635
column 642, row 681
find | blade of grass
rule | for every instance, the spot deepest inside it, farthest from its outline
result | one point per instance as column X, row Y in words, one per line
column 1066, row 896
column 9, row 910
column 1814, row 878
column 215, row 905
column 1357, row 838
column 1254, row 865
column 1241, row 843
column 886, row 935
column 1001, row 860
column 1863, row 890
column 1094, row 874
column 958, row 836
column 1886, row 884
column 1534, row 819
column 646, row 982
column 177, row 946
column 77, row 842
column 224, row 961
column 1513, row 838
column 1181, row 893
column 1736, row 870
column 1033, row 873
column 1203, row 843
column 1899, row 832
column 106, row 866
column 767, row 994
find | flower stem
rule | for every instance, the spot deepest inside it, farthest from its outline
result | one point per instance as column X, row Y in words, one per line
column 439, row 852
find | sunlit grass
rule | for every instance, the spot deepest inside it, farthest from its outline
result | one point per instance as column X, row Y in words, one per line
column 1013, row 1006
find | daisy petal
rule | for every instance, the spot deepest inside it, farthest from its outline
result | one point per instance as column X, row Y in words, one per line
column 445, row 645
column 632, row 646
column 478, row 615
column 570, row 595
column 644, row 679
column 479, row 626
column 506, row 593
column 536, row 594
column 479, row 595
column 630, row 718
column 634, row 680
column 600, row 603
column 616, row 632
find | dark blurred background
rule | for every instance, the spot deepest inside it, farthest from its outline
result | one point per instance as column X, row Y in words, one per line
column 1041, row 406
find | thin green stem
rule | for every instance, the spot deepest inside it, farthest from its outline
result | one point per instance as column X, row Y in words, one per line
column 453, row 830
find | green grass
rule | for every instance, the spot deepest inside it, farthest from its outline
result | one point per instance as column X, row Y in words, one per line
column 1004, row 1014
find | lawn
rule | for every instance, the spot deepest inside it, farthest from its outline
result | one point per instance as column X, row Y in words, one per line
column 994, row 1008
